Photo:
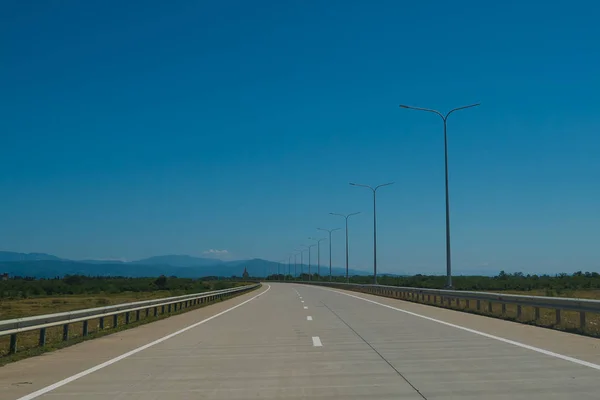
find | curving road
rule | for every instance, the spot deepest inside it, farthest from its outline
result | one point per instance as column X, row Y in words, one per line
column 288, row 341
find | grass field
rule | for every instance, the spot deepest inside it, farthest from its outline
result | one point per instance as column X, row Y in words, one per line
column 27, row 342
column 593, row 294
column 18, row 308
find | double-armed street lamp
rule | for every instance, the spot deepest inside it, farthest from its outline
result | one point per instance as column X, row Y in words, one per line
column 346, row 218
column 329, row 231
column 302, row 260
column 318, row 254
column 374, row 189
column 444, row 119
column 309, row 247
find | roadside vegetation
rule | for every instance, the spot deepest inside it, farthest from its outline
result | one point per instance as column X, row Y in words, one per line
column 579, row 284
column 22, row 297
column 584, row 285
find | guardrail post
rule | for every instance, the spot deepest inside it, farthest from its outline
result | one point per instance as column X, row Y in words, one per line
column 115, row 321
column 467, row 303
column 478, row 305
column 490, row 309
column 169, row 309
column 582, row 320
column 85, row 327
column 42, row 341
column 13, row 343
column 162, row 310
column 65, row 332
column 127, row 317
column 557, row 316
column 147, row 312
column 519, row 311
column 137, row 315
column 155, row 311
column 503, row 308
column 537, row 313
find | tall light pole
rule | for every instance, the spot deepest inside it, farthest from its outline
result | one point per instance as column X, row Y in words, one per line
column 295, row 264
column 374, row 189
column 309, row 247
column 346, row 218
column 329, row 231
column 445, row 118
column 302, row 261
column 289, row 266
column 318, row 254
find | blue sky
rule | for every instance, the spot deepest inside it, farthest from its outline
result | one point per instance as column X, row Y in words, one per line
column 132, row 129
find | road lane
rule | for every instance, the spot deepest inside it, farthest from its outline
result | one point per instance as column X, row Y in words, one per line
column 338, row 347
column 264, row 349
column 448, row 363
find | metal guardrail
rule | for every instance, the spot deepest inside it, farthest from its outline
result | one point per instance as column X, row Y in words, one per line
column 15, row 326
column 446, row 297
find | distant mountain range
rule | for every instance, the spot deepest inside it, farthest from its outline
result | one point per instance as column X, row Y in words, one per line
column 42, row 265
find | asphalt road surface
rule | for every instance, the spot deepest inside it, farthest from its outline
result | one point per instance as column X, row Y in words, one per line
column 289, row 341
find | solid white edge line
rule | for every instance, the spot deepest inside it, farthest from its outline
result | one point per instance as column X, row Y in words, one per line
column 487, row 335
column 72, row 378
column 308, row 318
column 317, row 341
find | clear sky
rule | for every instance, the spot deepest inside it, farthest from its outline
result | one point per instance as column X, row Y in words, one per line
column 139, row 128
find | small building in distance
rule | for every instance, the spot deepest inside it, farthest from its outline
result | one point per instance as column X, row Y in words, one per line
column 245, row 275
column 4, row 277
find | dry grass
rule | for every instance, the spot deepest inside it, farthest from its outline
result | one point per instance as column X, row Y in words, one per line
column 47, row 305
column 593, row 294
column 28, row 342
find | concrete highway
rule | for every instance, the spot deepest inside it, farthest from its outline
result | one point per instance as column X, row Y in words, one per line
column 288, row 341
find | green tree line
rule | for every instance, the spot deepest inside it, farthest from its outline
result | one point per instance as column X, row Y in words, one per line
column 552, row 284
column 19, row 287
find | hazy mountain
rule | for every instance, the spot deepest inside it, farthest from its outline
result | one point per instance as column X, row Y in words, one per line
column 48, row 266
column 12, row 256
column 102, row 261
column 179, row 261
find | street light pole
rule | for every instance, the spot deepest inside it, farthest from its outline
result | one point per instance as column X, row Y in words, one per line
column 302, row 261
column 309, row 247
column 346, row 218
column 318, row 254
column 329, row 231
column 374, row 224
column 295, row 265
column 445, row 118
